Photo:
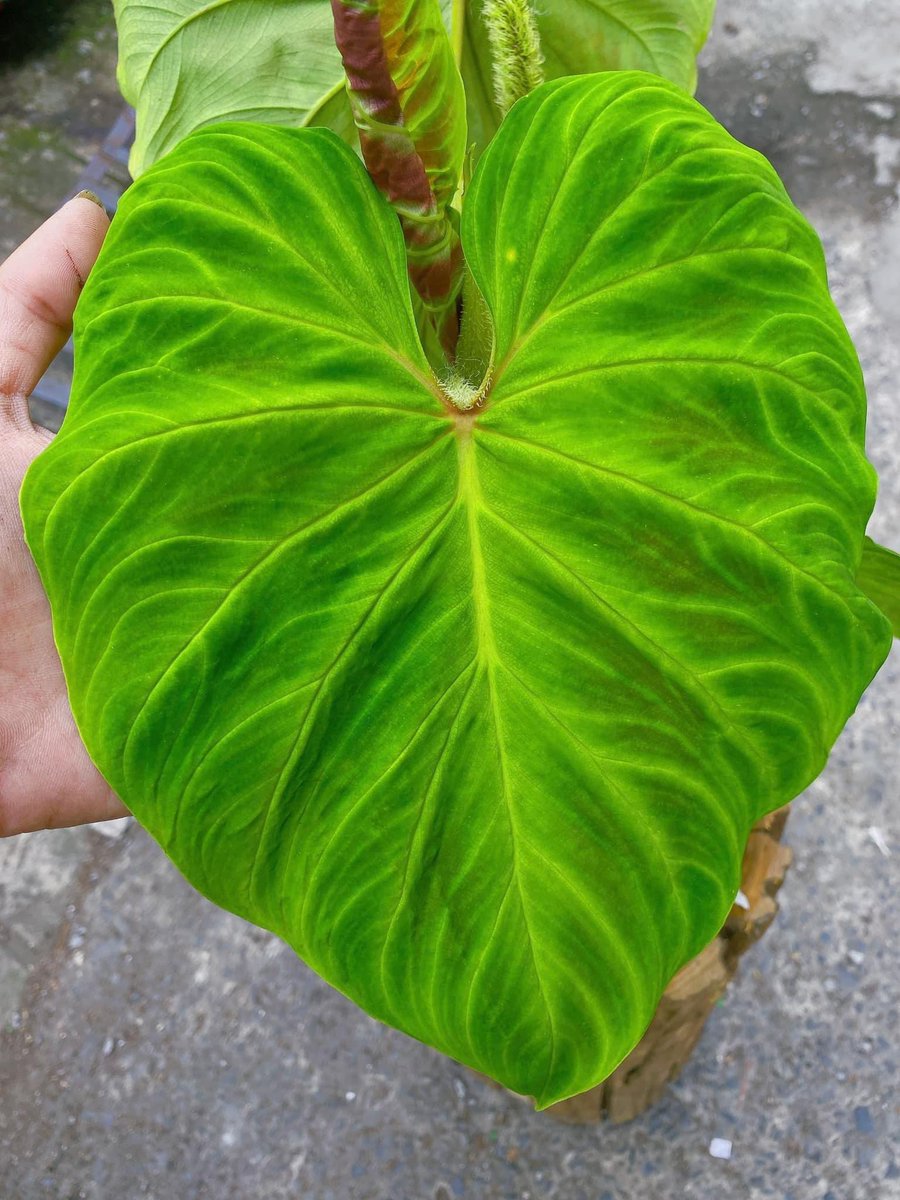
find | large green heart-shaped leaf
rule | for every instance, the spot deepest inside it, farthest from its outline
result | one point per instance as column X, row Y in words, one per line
column 475, row 710
column 184, row 64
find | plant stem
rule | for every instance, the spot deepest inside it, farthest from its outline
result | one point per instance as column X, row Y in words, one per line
column 468, row 382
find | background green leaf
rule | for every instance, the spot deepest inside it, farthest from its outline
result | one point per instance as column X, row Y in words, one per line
column 184, row 65
column 583, row 36
column 879, row 578
column 475, row 711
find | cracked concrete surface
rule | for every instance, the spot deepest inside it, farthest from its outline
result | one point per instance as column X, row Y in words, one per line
column 157, row 1047
column 54, row 112
column 857, row 42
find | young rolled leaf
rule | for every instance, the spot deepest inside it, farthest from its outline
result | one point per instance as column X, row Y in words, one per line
column 185, row 65
column 408, row 103
column 475, row 710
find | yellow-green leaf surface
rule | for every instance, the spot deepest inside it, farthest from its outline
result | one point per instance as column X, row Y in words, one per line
column 184, row 64
column 475, row 710
column 879, row 578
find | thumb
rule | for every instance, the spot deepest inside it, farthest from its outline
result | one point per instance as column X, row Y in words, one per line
column 39, row 287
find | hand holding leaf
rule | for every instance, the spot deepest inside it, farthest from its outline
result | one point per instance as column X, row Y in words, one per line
column 46, row 777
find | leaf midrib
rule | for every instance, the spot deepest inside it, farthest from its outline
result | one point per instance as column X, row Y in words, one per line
column 486, row 648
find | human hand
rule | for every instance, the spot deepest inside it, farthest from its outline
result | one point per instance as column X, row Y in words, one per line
column 46, row 777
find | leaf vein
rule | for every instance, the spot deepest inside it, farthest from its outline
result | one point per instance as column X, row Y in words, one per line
column 678, row 501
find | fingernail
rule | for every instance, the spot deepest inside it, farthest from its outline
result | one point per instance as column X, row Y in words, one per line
column 92, row 196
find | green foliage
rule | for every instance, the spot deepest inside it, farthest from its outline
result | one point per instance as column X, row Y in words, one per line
column 580, row 36
column 516, row 55
column 406, row 82
column 184, row 66
column 474, row 709
column 409, row 108
column 879, row 578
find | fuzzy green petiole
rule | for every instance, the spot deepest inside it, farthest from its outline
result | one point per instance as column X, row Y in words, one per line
column 517, row 58
column 467, row 383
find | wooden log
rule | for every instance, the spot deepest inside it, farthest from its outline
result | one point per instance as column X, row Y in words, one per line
column 643, row 1076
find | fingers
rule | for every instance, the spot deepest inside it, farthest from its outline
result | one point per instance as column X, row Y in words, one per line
column 47, row 780
column 58, row 813
column 39, row 286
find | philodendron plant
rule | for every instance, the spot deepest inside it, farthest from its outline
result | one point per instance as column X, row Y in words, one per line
column 449, row 577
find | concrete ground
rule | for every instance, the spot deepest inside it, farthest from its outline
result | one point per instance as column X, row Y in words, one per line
column 54, row 112
column 153, row 1046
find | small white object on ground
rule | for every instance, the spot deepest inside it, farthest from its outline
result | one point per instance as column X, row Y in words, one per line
column 741, row 900
column 884, row 112
column 879, row 839
column 112, row 829
column 720, row 1148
